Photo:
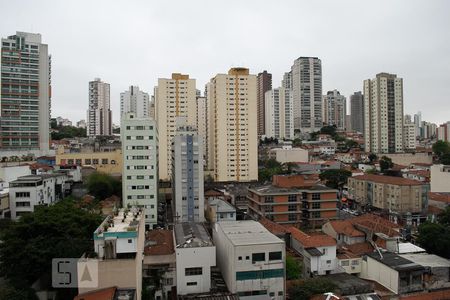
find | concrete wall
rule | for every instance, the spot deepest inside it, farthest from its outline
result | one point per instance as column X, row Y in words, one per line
column 406, row 159
column 290, row 155
column 440, row 181
column 374, row 270
column 8, row 174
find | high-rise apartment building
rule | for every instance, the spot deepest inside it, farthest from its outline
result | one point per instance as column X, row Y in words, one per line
column 202, row 121
column 99, row 115
column 287, row 80
column 409, row 133
column 263, row 84
column 25, row 96
column 334, row 109
column 187, row 174
column 279, row 114
column 140, row 164
column 357, row 112
column 383, row 114
column 174, row 97
column 307, row 94
column 418, row 122
column 443, row 132
column 136, row 101
column 233, row 139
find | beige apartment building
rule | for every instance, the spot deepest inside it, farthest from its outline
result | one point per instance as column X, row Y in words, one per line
column 383, row 114
column 232, row 114
column 174, row 97
column 395, row 194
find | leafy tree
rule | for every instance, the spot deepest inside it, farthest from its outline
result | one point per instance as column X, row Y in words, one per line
column 296, row 142
column 445, row 159
column 60, row 230
column 351, row 144
column 68, row 132
column 7, row 291
column 309, row 287
column 101, row 185
column 385, row 163
column 372, row 157
column 435, row 237
column 116, row 130
column 293, row 268
column 440, row 148
column 335, row 178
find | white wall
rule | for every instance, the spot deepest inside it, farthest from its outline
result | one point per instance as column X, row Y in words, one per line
column 8, row 174
column 374, row 270
column 440, row 181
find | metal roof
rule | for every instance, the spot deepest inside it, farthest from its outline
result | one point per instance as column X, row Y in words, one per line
column 248, row 232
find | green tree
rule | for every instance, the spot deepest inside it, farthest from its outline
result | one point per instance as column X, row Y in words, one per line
column 60, row 230
column 312, row 286
column 293, row 268
column 297, row 142
column 335, row 178
column 385, row 163
column 372, row 157
column 440, row 148
column 435, row 237
column 7, row 291
column 351, row 144
column 68, row 132
column 101, row 185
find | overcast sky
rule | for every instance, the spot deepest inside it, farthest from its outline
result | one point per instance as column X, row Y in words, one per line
column 136, row 42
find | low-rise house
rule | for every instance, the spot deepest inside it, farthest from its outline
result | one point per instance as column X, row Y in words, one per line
column 419, row 175
column 318, row 251
column 26, row 192
column 398, row 274
column 293, row 199
column 119, row 247
column 393, row 194
column 343, row 232
column 251, row 259
column 195, row 255
column 218, row 210
column 288, row 154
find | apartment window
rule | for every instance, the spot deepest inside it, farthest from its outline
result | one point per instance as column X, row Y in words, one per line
column 268, row 199
column 139, row 137
column 258, row 257
column 292, row 198
column 87, row 161
column 191, row 283
column 275, row 255
column 328, row 261
column 315, row 214
column 193, row 271
column 23, row 204
column 292, row 207
column 95, row 161
column 130, row 241
column 104, row 161
column 78, row 162
column 292, row 217
column 355, row 262
column 22, row 194
column 344, row 263
column 316, row 196
column 316, row 205
column 240, row 258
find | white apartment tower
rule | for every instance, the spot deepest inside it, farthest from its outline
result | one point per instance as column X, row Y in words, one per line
column 279, row 114
column 136, row 101
column 334, row 109
column 306, row 80
column 187, row 174
column 174, row 97
column 233, row 139
column 140, row 164
column 383, row 114
column 99, row 115
column 25, row 97
column 409, row 133
column 202, row 121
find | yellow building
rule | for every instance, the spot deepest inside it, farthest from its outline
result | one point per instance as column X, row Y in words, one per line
column 106, row 162
column 232, row 133
column 175, row 97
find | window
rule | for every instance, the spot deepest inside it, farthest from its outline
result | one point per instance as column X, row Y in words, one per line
column 328, row 261
column 275, row 255
column 292, row 207
column 22, row 194
column 191, row 283
column 240, row 258
column 130, row 241
column 316, row 196
column 268, row 199
column 104, row 161
column 22, row 204
column 95, row 161
column 315, row 214
column 344, row 263
column 355, row 262
column 87, row 161
column 316, row 205
column 292, row 198
column 193, row 271
column 292, row 217
column 258, row 257
column 247, row 257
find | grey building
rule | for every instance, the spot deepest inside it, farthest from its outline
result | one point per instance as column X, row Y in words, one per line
column 25, row 96
column 357, row 111
column 99, row 115
column 187, row 174
column 307, row 94
column 135, row 101
column 334, row 109
column 264, row 84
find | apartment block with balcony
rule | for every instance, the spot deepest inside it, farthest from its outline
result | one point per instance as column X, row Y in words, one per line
column 293, row 199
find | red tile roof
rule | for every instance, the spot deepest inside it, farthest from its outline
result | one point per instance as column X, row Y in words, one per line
column 359, row 249
column 102, row 294
column 310, row 241
column 441, row 197
column 436, row 295
column 388, row 179
column 376, row 224
column 273, row 227
column 163, row 240
column 346, row 227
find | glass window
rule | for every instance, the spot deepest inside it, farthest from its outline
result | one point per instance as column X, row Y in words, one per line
column 275, row 255
column 258, row 257
column 193, row 271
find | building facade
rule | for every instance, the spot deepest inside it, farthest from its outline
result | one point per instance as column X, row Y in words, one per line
column 334, row 109
column 440, row 178
column 263, row 84
column 409, row 134
column 99, row 115
column 307, row 94
column 140, row 165
column 26, row 95
column 357, row 112
column 187, row 175
column 233, row 139
column 202, row 124
column 174, row 97
column 383, row 114
column 250, row 258
column 135, row 101
column 279, row 119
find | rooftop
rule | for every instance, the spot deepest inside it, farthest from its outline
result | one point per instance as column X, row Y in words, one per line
column 248, row 233
column 375, row 224
column 312, row 241
column 395, row 261
column 125, row 221
column 404, row 248
column 36, row 178
column 159, row 242
column 270, row 189
column 273, row 227
column 191, row 235
column 388, row 179
column 346, row 227
column 427, row 260
column 222, row 206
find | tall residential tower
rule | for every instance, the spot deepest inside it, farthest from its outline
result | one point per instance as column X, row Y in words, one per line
column 357, row 112
column 99, row 115
column 334, row 109
column 25, row 95
column 136, row 101
column 263, row 84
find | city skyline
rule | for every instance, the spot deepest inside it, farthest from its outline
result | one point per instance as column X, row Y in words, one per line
column 157, row 26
